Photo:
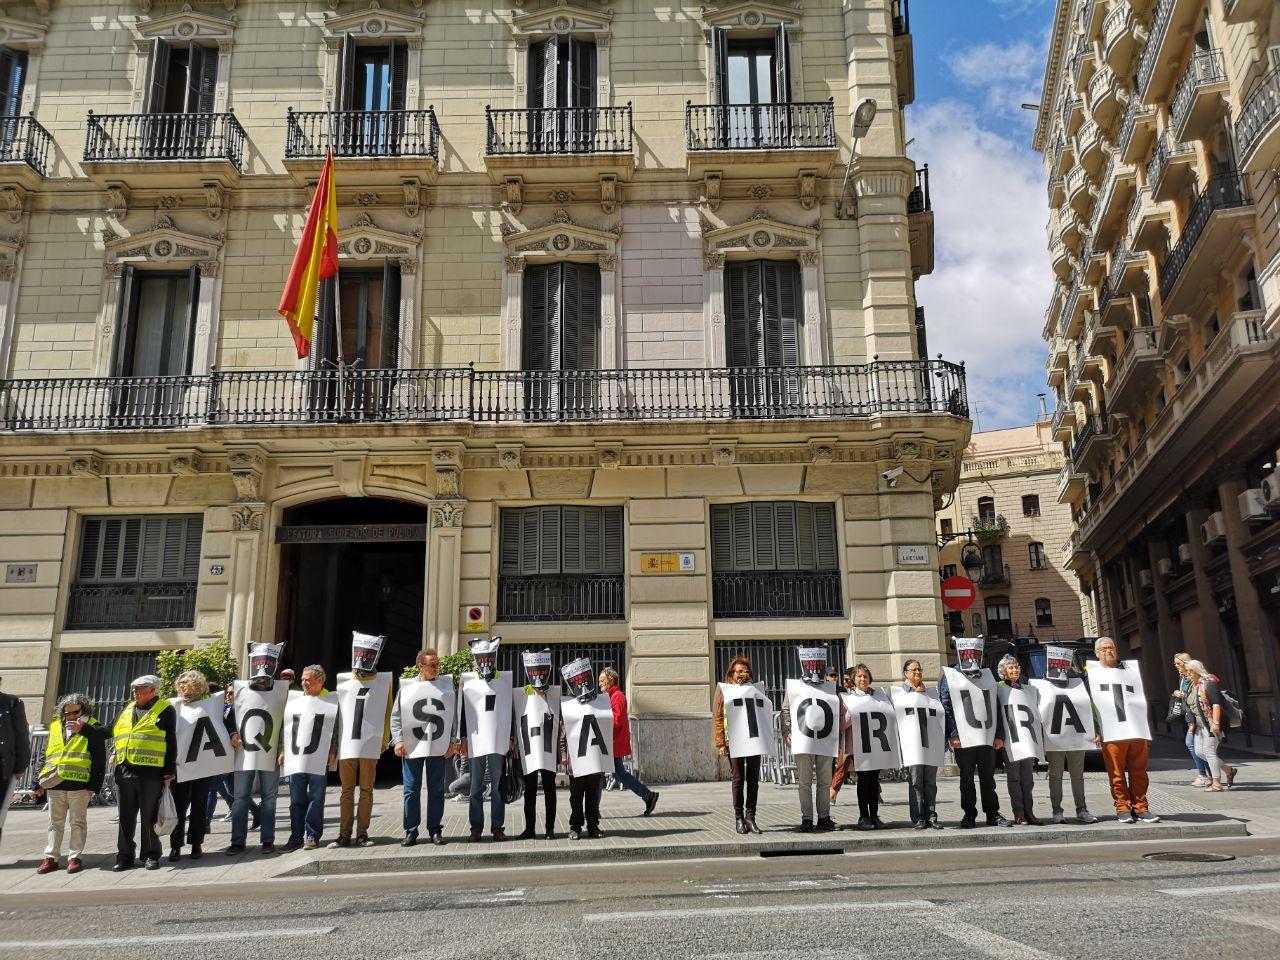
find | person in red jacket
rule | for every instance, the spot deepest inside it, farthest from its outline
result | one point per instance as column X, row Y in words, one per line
column 622, row 740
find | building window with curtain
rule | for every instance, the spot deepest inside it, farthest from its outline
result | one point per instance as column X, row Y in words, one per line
column 1036, row 556
column 561, row 563
column 1044, row 612
column 775, row 559
column 764, row 331
column 136, row 572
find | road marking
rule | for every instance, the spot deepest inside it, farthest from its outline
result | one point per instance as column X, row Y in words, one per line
column 1230, row 888
column 1254, row 920
column 131, row 942
column 985, row 941
column 771, row 908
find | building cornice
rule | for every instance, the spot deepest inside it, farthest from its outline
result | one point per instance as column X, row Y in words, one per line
column 1052, row 73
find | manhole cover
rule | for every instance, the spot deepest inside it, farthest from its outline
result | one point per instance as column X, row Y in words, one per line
column 1189, row 857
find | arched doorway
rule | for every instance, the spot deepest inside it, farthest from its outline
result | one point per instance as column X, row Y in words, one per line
column 351, row 564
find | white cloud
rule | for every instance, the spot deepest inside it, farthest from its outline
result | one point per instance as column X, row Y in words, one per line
column 985, row 300
column 1004, row 75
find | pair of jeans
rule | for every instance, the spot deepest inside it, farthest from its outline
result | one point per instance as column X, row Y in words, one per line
column 139, row 800
column 191, row 800
column 497, row 804
column 413, row 770
column 584, row 792
column 1020, row 779
column 627, row 780
column 982, row 761
column 923, row 798
column 746, row 779
column 306, row 806
column 221, row 787
column 268, row 785
column 1207, row 748
column 1202, row 768
column 547, row 778
column 811, row 769
column 1073, row 761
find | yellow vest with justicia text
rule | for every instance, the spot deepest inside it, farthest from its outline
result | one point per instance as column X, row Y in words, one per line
column 141, row 744
column 70, row 758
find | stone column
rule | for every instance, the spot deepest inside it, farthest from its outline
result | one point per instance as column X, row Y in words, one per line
column 444, row 570
column 1170, row 635
column 242, row 574
column 815, row 330
column 1210, row 645
column 1152, row 653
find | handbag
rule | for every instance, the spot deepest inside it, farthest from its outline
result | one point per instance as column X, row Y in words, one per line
column 1231, row 709
column 512, row 782
column 1177, row 711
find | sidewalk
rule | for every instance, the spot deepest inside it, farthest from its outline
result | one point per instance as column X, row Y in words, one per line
column 691, row 820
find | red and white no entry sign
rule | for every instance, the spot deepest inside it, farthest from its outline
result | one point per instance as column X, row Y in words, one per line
column 958, row 593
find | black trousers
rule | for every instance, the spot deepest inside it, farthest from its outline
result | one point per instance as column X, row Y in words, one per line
column 585, row 791
column 139, row 797
column 868, row 793
column 192, row 801
column 548, row 780
column 980, row 760
column 746, row 778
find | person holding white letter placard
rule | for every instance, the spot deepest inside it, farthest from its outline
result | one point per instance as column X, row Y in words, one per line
column 1019, row 726
column 204, row 755
column 921, row 738
column 968, row 695
column 1067, row 719
column 812, row 720
column 537, row 713
column 364, row 731
column 1121, row 704
column 585, row 747
column 742, row 720
column 310, row 751
column 872, row 743
column 422, row 734
column 484, row 725
column 258, row 719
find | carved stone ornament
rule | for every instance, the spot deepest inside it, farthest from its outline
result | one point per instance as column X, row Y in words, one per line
column 184, row 464
column 760, row 191
column 213, row 198
column 86, row 465
column 510, row 458
column 373, row 23
column 513, row 194
column 412, row 188
column 117, row 200
column 245, row 518
column 162, row 244
column 562, row 235
column 14, row 200
column 713, row 261
column 447, row 514
column 759, row 15
column 711, row 186
column 608, row 263
column 365, row 240
column 723, row 455
column 608, row 192
column 187, row 25
column 808, row 258
column 758, row 234
column 560, row 18
column 246, row 473
column 823, row 453
column 808, row 188
column 610, row 456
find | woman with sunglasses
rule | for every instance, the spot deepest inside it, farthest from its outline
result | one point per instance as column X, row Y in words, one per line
column 745, row 770
column 75, row 762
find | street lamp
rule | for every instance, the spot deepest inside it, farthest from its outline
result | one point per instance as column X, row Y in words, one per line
column 863, row 114
column 971, row 559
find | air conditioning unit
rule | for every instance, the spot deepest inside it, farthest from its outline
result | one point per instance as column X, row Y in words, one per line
column 1144, row 578
column 1165, row 567
column 1184, row 552
column 1271, row 489
column 1253, row 505
column 1213, row 530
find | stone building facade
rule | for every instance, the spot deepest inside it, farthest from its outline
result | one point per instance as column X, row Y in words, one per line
column 614, row 362
column 1160, row 126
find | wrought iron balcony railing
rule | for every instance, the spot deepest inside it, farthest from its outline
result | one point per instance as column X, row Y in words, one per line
column 919, row 199
column 23, row 140
column 164, row 136
column 1205, row 67
column 362, row 133
column 281, row 397
column 1155, row 41
column 1166, row 151
column 561, row 596
column 159, row 605
column 1095, row 425
column 1224, row 192
column 1261, row 109
column 774, row 594
column 556, row 131
column 760, row 126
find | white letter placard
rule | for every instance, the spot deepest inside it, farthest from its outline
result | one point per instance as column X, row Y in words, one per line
column 537, row 728
column 308, row 732
column 204, row 746
column 259, row 715
column 1023, row 735
column 588, row 733
column 921, row 727
column 427, row 709
column 363, row 713
column 875, row 730
column 815, row 718
column 748, row 715
column 973, row 702
column 486, row 714
column 1121, row 703
column 1066, row 715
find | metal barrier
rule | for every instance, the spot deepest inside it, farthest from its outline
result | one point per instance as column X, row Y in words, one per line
column 24, row 792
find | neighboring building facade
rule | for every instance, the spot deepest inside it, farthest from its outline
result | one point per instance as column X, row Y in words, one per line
column 596, row 373
column 1160, row 125
column 1008, row 497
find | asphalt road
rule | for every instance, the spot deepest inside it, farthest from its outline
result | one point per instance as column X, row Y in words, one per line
column 1031, row 903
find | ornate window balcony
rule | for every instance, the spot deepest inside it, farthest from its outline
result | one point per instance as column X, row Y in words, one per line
column 1258, row 129
column 24, row 151
column 1170, row 168
column 920, row 216
column 1211, row 233
column 1121, row 37
column 392, row 141
column 156, row 149
column 1135, row 369
column 1171, row 22
column 1198, row 100
column 767, row 138
column 540, row 143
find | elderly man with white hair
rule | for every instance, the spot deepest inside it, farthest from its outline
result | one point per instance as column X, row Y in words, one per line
column 146, row 753
column 1120, row 704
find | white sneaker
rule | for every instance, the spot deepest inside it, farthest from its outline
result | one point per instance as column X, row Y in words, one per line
column 1148, row 818
column 1059, row 817
column 1200, row 782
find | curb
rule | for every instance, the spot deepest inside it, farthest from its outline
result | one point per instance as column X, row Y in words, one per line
column 841, row 841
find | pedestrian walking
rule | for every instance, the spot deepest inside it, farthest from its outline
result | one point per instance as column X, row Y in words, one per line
column 744, row 770
column 1180, row 711
column 190, row 797
column 1019, row 772
column 1204, row 701
column 1115, row 687
column 971, row 730
column 75, row 761
column 622, row 740
column 922, row 778
column 145, row 748
column 424, row 758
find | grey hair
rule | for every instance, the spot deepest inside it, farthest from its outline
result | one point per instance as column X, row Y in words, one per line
column 610, row 674
column 316, row 669
column 1007, row 659
column 1196, row 667
column 1097, row 644
column 195, row 677
column 81, row 700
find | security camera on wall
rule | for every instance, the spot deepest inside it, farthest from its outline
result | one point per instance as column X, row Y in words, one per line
column 890, row 476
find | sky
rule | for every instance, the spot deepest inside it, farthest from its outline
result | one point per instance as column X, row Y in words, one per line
column 977, row 61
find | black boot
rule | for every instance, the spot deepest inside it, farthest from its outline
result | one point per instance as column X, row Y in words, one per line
column 741, row 824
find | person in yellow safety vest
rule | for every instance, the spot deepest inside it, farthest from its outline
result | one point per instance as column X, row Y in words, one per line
column 75, row 761
column 146, row 753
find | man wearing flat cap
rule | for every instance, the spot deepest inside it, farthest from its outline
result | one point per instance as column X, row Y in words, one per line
column 146, row 751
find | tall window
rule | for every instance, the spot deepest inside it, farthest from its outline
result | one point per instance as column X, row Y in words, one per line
column 765, row 328
column 987, row 509
column 1030, row 505
column 1044, row 612
column 183, row 78
column 755, row 71
column 999, row 617
column 373, row 76
column 561, row 331
column 948, row 570
column 136, row 572
column 13, row 76
column 156, row 320
column 364, row 318
column 562, row 81
column 1036, row 556
column 947, row 528
column 561, row 563
column 993, row 564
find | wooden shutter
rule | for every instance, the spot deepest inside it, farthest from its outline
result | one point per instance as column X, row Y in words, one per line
column 805, row 537
column 826, row 551
column 191, row 547
column 193, row 312
column 347, row 73
column 529, row 541
column 573, row 539
column 13, row 74
column 323, row 346
column 509, row 544
column 202, row 78
column 159, row 76
column 611, row 540
column 782, row 65
column 549, row 521
column 788, row 523
column 765, row 553
column 130, row 542
column 389, row 359
column 126, row 314
column 719, row 65
column 582, row 73
column 743, row 539
column 592, row 540
column 721, row 537
column 534, row 70
column 398, row 58
column 90, row 548
column 781, row 320
column 542, row 317
column 744, row 329
column 579, row 317
column 552, row 94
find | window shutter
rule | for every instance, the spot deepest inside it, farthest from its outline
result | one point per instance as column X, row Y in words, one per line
column 125, row 313
column 130, row 548
column 743, row 529
column 109, row 555
column 582, row 67
column 390, row 314
column 611, row 540
column 90, row 548
column 570, row 315
column 509, row 542
column 191, row 547
column 781, row 315
column 535, row 71
column 13, row 74
column 202, row 78
column 765, row 555
column 154, row 548
column 551, row 94
column 399, row 58
column 159, row 76
column 174, row 543
column 542, row 317
column 529, row 541
column 592, row 540
column 572, row 532
column 719, row 65
column 193, row 311
column 721, row 537
column 549, row 520
column 742, row 289
column 347, row 73
column 824, row 536
column 782, row 66
column 790, row 534
column 323, row 335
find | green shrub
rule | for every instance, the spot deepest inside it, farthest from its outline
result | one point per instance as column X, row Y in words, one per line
column 213, row 659
column 454, row 665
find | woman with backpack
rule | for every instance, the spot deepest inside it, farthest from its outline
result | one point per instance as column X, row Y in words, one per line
column 1208, row 723
column 1178, row 711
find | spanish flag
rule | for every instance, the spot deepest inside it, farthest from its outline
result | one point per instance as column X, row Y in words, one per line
column 316, row 260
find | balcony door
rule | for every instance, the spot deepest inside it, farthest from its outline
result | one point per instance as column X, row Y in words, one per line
column 155, row 324
column 561, row 334
column 13, row 76
column 371, row 99
column 357, row 343
column 753, row 86
column 183, row 82
column 562, row 93
column 764, row 330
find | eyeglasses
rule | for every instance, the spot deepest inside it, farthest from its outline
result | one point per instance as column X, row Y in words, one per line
column 914, row 670
column 72, row 713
